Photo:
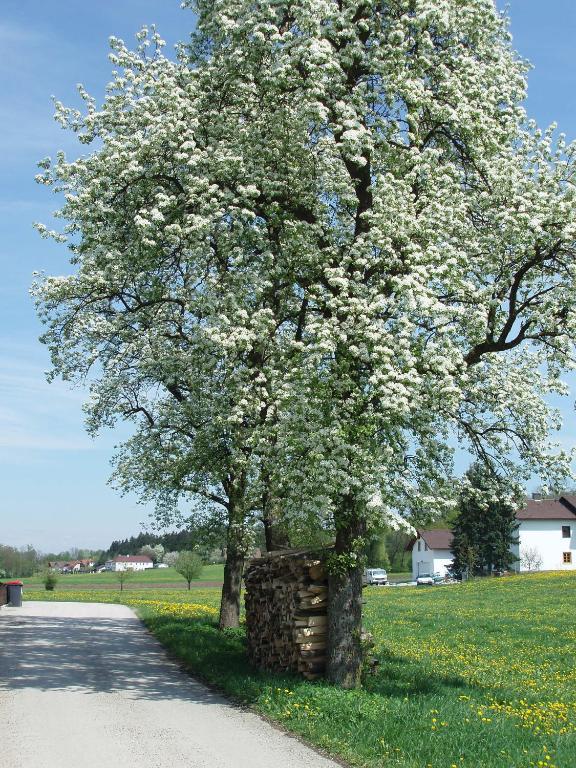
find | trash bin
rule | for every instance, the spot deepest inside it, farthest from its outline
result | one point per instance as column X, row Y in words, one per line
column 15, row 593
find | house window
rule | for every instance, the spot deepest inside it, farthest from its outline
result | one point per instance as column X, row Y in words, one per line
column 567, row 557
column 566, row 533
column 425, row 547
column 419, row 546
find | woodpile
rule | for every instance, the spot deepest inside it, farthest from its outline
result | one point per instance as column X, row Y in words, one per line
column 286, row 612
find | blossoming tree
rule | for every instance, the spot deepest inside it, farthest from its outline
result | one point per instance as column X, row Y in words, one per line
column 167, row 315
column 327, row 242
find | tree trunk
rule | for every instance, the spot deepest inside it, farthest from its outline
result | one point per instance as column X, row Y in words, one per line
column 274, row 533
column 235, row 487
column 344, row 653
column 276, row 537
column 231, row 589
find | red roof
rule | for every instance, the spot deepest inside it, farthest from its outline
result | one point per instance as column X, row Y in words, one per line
column 440, row 538
column 132, row 559
column 563, row 508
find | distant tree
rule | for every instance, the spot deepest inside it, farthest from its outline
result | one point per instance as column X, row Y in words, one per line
column 554, row 491
column 485, row 526
column 531, row 559
column 175, row 541
column 396, row 545
column 172, row 541
column 18, row 562
column 148, row 551
column 98, row 556
column 189, row 565
column 469, row 556
column 154, row 551
column 170, row 558
column 123, row 576
column 102, row 557
column 50, row 579
column 377, row 554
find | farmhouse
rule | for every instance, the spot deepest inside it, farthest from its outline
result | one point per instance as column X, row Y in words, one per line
column 546, row 532
column 129, row 563
column 431, row 552
column 72, row 566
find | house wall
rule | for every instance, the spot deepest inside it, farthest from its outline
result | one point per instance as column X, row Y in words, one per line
column 421, row 560
column 429, row 560
column 110, row 565
column 442, row 561
column 545, row 536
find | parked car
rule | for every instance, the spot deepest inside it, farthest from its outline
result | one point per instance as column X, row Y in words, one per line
column 429, row 579
column 375, row 576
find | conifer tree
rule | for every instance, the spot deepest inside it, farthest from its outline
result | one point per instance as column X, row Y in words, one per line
column 485, row 527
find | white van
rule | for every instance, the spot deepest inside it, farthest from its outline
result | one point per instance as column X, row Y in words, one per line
column 375, row 576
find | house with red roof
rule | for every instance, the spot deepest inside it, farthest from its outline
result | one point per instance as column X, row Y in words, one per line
column 129, row 563
column 546, row 533
column 72, row 566
column 431, row 552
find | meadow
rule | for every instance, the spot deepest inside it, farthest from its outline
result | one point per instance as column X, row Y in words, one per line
column 480, row 674
column 141, row 579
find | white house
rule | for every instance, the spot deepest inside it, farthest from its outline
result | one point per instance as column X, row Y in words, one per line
column 129, row 563
column 431, row 552
column 546, row 533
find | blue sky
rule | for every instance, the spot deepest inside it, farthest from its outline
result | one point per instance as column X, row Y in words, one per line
column 53, row 477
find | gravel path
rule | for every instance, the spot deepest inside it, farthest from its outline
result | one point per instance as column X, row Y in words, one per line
column 85, row 684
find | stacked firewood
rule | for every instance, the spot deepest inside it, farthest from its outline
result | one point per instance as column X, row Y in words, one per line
column 286, row 618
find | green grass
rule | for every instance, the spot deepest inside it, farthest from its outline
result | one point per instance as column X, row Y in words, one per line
column 472, row 675
column 399, row 576
column 107, row 579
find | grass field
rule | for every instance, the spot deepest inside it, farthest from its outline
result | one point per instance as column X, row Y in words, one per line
column 141, row 579
column 400, row 576
column 474, row 675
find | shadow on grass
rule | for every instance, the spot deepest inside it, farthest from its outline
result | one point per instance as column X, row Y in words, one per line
column 400, row 676
column 220, row 659
column 216, row 657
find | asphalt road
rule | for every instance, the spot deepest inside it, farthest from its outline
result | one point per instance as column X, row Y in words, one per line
column 85, row 684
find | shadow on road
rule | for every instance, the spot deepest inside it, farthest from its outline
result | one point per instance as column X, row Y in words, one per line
column 90, row 655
